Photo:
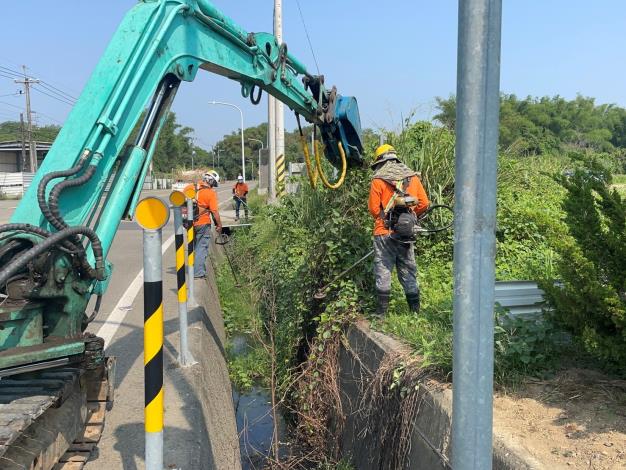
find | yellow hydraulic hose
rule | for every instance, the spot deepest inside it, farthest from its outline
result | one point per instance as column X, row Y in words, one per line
column 310, row 169
column 344, row 167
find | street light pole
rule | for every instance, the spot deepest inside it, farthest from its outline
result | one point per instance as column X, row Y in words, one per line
column 243, row 160
column 260, row 149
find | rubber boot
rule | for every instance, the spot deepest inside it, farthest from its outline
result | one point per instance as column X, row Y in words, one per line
column 414, row 302
column 382, row 302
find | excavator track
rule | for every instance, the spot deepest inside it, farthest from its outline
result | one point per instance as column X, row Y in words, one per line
column 53, row 419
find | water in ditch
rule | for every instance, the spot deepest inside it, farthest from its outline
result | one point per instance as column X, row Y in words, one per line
column 255, row 420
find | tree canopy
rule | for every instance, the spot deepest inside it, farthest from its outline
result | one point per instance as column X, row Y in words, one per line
column 541, row 125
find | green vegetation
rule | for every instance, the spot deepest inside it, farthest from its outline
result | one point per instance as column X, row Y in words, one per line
column 557, row 220
column 533, row 126
column 248, row 360
column 11, row 130
column 591, row 300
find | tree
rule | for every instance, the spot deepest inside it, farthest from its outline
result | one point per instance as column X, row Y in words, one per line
column 590, row 301
column 541, row 125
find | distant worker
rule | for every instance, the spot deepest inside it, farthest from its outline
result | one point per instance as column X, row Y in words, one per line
column 240, row 195
column 206, row 199
column 396, row 198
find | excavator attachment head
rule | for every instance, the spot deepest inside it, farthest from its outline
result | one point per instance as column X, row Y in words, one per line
column 344, row 126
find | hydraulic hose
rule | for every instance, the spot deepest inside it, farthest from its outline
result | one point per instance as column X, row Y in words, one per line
column 41, row 189
column 68, row 246
column 320, row 171
column 23, row 259
column 310, row 168
column 53, row 200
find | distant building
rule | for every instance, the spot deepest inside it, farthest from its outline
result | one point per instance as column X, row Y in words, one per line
column 11, row 160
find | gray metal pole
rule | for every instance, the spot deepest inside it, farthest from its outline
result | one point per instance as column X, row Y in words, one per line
column 153, row 344
column 478, row 101
column 190, row 253
column 184, row 355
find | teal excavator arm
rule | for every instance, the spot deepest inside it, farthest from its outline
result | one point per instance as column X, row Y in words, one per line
column 53, row 253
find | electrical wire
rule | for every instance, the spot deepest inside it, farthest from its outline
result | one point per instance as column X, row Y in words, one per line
column 12, row 105
column 306, row 31
column 49, row 86
column 8, row 70
column 69, row 103
column 56, row 90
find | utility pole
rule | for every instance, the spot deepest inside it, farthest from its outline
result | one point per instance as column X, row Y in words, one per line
column 279, row 158
column 22, row 130
column 27, row 82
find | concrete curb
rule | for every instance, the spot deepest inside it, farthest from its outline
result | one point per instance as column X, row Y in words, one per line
column 430, row 441
column 207, row 339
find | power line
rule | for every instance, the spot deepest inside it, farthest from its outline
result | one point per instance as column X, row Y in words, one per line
column 2, row 74
column 49, row 86
column 48, row 116
column 308, row 38
column 11, row 71
column 69, row 103
column 12, row 105
column 56, row 90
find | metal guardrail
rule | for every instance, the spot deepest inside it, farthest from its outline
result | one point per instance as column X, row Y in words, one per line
column 520, row 298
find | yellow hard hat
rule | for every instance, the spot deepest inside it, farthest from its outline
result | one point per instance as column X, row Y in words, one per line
column 383, row 149
column 384, row 153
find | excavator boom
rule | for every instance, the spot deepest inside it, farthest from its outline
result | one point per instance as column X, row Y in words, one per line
column 159, row 44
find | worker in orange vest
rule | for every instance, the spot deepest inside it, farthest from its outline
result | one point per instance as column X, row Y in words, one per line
column 396, row 198
column 240, row 195
column 207, row 209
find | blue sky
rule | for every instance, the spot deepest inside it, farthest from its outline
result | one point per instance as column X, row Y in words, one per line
column 394, row 56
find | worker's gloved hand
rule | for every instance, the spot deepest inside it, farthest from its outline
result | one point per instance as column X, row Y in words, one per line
column 218, row 229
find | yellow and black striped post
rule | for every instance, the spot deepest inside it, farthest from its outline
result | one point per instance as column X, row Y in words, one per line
column 190, row 194
column 184, row 355
column 152, row 214
column 280, row 175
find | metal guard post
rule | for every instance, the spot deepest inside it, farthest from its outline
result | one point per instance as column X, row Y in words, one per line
column 190, row 194
column 478, row 101
column 152, row 214
column 184, row 356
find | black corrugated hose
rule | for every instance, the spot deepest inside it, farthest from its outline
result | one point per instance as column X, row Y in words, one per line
column 68, row 246
column 23, row 259
column 41, row 190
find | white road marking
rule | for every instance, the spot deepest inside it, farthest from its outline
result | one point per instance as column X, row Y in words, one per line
column 117, row 315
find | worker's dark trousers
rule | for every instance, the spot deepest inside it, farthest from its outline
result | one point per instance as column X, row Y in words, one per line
column 202, row 239
column 389, row 253
column 238, row 203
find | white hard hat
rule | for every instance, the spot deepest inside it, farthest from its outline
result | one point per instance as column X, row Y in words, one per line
column 211, row 176
column 240, row 178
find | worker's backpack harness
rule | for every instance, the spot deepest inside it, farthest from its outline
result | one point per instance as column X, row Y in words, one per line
column 398, row 215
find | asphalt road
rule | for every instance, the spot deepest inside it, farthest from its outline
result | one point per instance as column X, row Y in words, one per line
column 120, row 322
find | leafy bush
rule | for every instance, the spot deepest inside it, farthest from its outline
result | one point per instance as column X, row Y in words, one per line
column 522, row 345
column 591, row 301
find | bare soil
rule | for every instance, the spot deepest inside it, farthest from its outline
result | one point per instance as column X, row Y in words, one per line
column 576, row 420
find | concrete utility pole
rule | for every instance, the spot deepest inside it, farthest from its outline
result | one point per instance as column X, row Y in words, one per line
column 27, row 82
column 279, row 167
column 23, row 132
column 271, row 145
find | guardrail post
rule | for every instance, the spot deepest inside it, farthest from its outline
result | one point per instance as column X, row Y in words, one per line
column 477, row 108
column 152, row 214
column 178, row 199
column 190, row 193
